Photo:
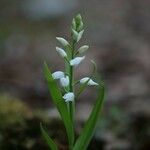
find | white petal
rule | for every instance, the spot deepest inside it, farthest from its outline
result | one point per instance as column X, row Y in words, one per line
column 90, row 82
column 61, row 52
column 64, row 81
column 76, row 61
column 58, row 75
column 69, row 97
column 83, row 49
column 83, row 80
column 62, row 41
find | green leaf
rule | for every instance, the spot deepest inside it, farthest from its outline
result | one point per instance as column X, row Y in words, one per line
column 59, row 103
column 88, row 131
column 50, row 142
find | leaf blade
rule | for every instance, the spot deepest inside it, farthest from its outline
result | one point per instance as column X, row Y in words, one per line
column 50, row 142
column 88, row 131
column 60, row 103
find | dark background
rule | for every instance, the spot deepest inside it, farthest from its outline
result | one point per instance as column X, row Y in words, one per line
column 118, row 32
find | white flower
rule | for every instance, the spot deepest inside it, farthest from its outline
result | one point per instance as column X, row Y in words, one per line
column 69, row 97
column 83, row 48
column 64, row 81
column 62, row 41
column 58, row 75
column 76, row 61
column 61, row 52
column 90, row 82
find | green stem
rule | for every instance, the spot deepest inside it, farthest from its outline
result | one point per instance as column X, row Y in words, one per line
column 71, row 89
column 71, row 83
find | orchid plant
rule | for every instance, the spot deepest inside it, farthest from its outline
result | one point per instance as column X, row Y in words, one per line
column 65, row 97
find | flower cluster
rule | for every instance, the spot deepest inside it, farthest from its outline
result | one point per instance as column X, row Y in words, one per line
column 72, row 58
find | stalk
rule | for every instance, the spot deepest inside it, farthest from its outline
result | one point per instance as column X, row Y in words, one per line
column 72, row 104
column 71, row 89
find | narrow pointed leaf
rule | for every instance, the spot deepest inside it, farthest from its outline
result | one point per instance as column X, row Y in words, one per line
column 88, row 131
column 59, row 103
column 50, row 142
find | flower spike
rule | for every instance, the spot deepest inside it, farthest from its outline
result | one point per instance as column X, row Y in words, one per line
column 65, row 96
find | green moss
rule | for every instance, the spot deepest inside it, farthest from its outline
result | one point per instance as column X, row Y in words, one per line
column 12, row 111
column 20, row 127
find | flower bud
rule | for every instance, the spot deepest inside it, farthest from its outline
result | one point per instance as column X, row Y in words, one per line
column 75, row 35
column 61, row 52
column 73, row 24
column 62, row 41
column 80, row 27
column 79, row 22
column 64, row 81
column 69, row 97
column 80, row 35
column 76, row 61
column 78, row 19
column 83, row 49
column 58, row 75
column 90, row 82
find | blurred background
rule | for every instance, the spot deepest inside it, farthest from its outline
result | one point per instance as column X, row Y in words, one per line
column 118, row 32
